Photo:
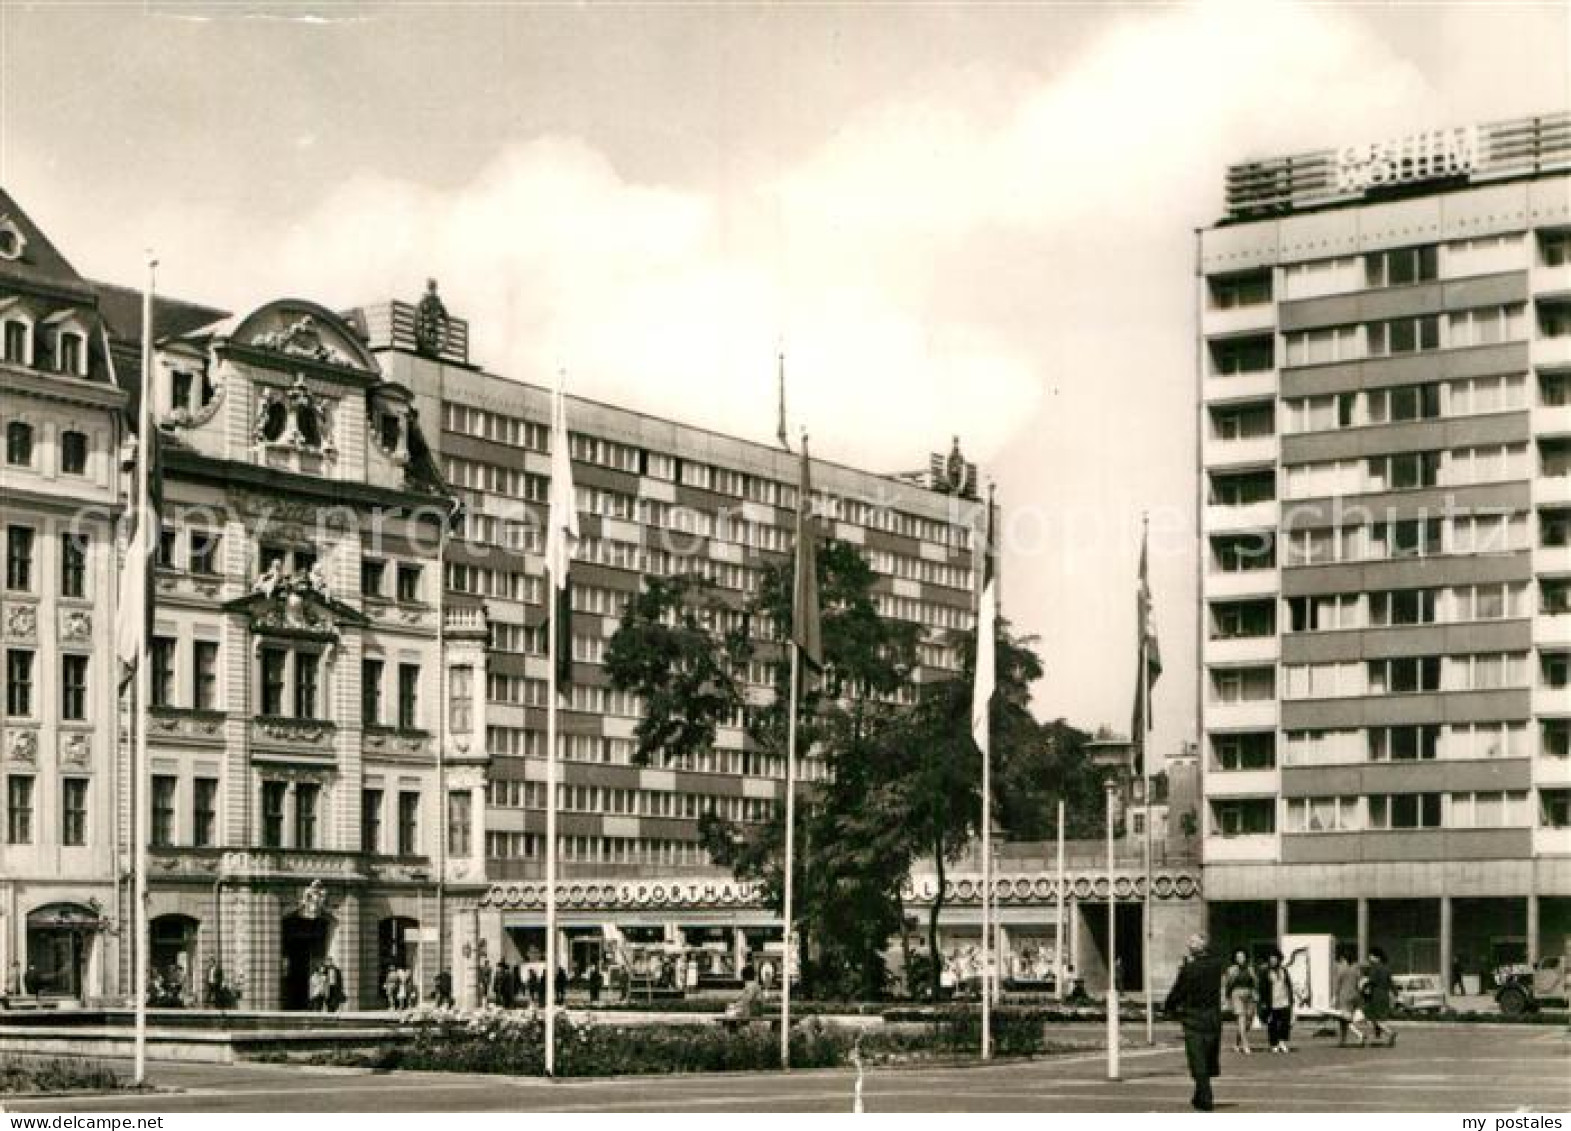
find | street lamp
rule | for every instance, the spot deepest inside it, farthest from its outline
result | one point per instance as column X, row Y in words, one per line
column 1114, row 756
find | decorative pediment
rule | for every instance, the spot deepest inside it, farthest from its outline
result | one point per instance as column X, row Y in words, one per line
column 294, row 604
column 301, row 330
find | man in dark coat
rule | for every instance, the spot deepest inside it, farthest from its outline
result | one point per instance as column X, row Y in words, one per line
column 1379, row 994
column 1196, row 1000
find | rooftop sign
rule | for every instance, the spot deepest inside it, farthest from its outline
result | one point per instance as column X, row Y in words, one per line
column 1522, row 147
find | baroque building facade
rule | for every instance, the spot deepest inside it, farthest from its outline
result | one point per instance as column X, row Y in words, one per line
column 347, row 660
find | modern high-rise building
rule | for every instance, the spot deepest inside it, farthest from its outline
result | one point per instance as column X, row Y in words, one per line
column 655, row 497
column 1385, row 515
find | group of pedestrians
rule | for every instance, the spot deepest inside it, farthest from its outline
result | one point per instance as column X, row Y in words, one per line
column 1264, row 994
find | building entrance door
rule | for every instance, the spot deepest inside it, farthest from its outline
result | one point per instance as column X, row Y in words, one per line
column 304, row 944
column 59, row 941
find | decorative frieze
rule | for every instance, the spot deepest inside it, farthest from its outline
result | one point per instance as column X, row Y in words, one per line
column 20, row 622
column 678, row 895
column 21, row 745
column 75, row 624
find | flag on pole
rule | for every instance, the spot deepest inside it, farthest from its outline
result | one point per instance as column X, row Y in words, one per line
column 561, row 536
column 806, row 631
column 134, row 599
column 1149, row 666
column 986, row 640
column 780, row 427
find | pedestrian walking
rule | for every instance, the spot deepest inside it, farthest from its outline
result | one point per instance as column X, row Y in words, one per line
column 1378, row 995
column 561, row 986
column 317, row 990
column 444, row 989
column 1276, row 996
column 1458, row 986
column 1347, row 998
column 333, row 986
column 535, row 987
column 596, row 982
column 1241, row 986
column 1196, row 1000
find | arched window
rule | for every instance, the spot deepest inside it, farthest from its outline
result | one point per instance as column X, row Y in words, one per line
column 275, row 418
column 19, row 444
column 308, row 425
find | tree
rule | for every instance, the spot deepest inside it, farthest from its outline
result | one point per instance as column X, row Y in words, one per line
column 670, row 651
column 1039, row 774
column 938, row 766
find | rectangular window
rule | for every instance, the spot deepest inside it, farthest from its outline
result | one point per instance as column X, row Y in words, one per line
column 1404, row 402
column 458, row 822
column 1324, row 815
column 205, row 546
column 371, row 821
column 204, row 675
column 408, row 823
column 204, row 812
column 307, row 672
column 1321, row 347
column 161, row 672
column 19, row 558
column 461, row 699
column 408, row 696
column 1243, row 685
column 371, row 692
column 308, row 796
column 19, row 809
column 165, row 556
column 1403, row 335
column 1402, row 266
column 73, row 812
column 1403, row 743
column 1404, row 675
column 408, row 582
column 19, row 682
column 1253, row 816
column 274, row 662
column 73, row 453
column 1253, row 751
column 373, row 575
column 163, row 809
column 1402, row 606
column 1246, row 289
column 1404, row 811
column 73, row 564
column 1240, row 619
column 1404, row 472
column 273, row 793
column 73, row 687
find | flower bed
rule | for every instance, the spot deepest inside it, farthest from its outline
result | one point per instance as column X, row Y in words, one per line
column 512, row 1042
column 20, row 1077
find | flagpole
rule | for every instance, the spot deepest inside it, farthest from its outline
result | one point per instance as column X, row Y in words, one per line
column 790, row 852
column 1145, row 773
column 144, row 685
column 550, row 826
column 1062, row 938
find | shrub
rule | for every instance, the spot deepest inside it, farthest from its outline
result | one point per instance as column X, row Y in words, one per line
column 21, row 1076
column 513, row 1042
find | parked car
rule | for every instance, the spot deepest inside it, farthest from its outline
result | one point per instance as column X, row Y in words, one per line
column 1418, row 993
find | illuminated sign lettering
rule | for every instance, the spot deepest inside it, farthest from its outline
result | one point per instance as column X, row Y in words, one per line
column 1417, row 157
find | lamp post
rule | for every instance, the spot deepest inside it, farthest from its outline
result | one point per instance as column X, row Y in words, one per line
column 1114, row 756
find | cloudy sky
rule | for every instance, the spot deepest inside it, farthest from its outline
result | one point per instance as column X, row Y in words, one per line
column 959, row 219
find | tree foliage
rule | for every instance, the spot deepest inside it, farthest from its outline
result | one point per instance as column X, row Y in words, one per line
column 901, row 780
